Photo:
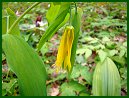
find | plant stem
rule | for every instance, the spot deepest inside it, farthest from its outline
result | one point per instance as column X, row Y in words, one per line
column 75, row 7
column 70, row 15
column 17, row 21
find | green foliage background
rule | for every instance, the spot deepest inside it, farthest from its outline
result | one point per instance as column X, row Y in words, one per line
column 103, row 32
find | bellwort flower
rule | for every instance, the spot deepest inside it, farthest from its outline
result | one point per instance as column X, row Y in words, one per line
column 64, row 50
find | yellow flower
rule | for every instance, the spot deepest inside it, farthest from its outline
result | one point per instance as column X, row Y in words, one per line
column 64, row 50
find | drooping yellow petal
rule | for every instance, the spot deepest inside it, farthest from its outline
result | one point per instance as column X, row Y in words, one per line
column 61, row 51
column 64, row 50
column 69, row 42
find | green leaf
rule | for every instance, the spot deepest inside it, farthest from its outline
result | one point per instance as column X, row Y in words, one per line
column 99, row 46
column 4, row 25
column 26, row 64
column 56, row 3
column 122, row 53
column 44, row 49
column 52, row 12
column 88, row 38
column 8, row 20
column 76, row 23
column 112, row 52
column 104, row 10
column 80, row 59
column 58, row 22
column 83, row 71
column 6, row 87
column 125, row 44
column 118, row 59
column 70, row 88
column 102, row 55
column 84, row 93
column 3, row 57
column 94, row 41
column 58, row 78
column 105, row 39
column 80, row 51
column 123, row 72
column 106, row 79
column 88, row 53
column 103, row 34
column 110, row 45
column 4, row 92
column 64, row 6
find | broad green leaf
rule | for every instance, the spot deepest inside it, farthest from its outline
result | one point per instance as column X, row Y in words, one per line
column 106, row 79
column 122, row 53
column 84, row 93
column 110, row 45
column 58, row 78
column 7, row 22
column 58, row 22
column 114, row 87
column 86, row 75
column 10, row 12
column 61, row 24
column 52, row 12
column 125, row 44
column 103, row 34
column 105, row 39
column 80, row 51
column 88, row 38
column 44, row 49
column 64, row 6
column 26, row 64
column 99, row 46
column 122, row 49
column 94, row 41
column 88, row 53
column 83, row 71
column 76, row 71
column 56, row 9
column 102, row 55
column 80, row 59
column 97, row 87
column 112, row 52
column 27, row 36
column 118, row 59
column 76, row 19
column 70, row 88
column 76, row 23
column 89, row 47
